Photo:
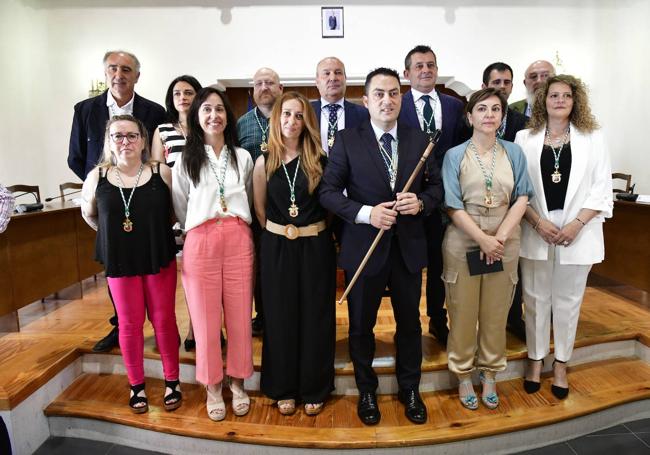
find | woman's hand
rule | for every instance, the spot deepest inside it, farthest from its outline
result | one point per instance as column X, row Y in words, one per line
column 492, row 249
column 567, row 234
column 547, row 231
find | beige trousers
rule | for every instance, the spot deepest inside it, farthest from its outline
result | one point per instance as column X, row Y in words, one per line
column 478, row 305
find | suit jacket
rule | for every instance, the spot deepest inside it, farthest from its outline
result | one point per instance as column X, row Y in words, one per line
column 89, row 125
column 355, row 115
column 590, row 186
column 519, row 106
column 452, row 123
column 355, row 165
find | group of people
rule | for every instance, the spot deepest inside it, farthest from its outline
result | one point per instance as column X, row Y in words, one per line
column 261, row 201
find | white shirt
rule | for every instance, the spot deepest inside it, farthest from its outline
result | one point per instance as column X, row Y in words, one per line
column 114, row 109
column 325, row 118
column 195, row 205
column 434, row 102
column 363, row 216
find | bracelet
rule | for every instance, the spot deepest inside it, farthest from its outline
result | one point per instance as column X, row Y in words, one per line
column 580, row 221
column 539, row 220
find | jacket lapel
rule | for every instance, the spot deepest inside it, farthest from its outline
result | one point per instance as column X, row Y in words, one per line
column 372, row 148
column 579, row 146
column 408, row 106
column 403, row 157
column 536, row 141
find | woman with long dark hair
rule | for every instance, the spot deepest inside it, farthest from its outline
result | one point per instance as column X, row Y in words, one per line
column 212, row 199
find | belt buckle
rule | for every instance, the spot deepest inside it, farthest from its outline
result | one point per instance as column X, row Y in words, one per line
column 291, row 232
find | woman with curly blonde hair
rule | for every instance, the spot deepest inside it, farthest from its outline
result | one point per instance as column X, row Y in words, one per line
column 297, row 261
column 571, row 174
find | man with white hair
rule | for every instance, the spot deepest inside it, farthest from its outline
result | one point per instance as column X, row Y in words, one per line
column 534, row 77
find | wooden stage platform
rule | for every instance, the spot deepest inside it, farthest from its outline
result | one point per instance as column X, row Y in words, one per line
column 611, row 368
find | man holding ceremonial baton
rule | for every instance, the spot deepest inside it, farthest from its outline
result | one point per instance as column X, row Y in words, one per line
column 373, row 162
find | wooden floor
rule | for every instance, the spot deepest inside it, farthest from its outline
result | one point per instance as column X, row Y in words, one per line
column 594, row 387
column 57, row 332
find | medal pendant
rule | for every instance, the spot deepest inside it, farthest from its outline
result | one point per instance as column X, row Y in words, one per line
column 293, row 210
column 127, row 225
column 556, row 177
column 330, row 142
column 488, row 198
column 264, row 146
column 224, row 207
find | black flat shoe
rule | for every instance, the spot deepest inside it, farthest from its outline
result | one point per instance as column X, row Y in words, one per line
column 559, row 392
column 189, row 345
column 367, row 408
column 414, row 407
column 109, row 342
column 439, row 331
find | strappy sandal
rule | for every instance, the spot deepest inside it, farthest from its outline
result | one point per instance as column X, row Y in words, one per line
column 287, row 407
column 138, row 399
column 173, row 396
column 215, row 404
column 468, row 400
column 312, row 409
column 241, row 403
column 490, row 399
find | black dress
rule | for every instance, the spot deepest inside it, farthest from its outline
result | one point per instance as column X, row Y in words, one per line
column 299, row 290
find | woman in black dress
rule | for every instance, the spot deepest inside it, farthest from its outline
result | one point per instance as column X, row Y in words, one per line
column 298, row 270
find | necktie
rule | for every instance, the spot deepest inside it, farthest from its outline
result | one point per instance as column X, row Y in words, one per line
column 429, row 123
column 389, row 158
column 332, row 127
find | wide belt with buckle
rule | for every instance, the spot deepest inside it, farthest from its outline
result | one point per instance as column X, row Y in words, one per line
column 293, row 232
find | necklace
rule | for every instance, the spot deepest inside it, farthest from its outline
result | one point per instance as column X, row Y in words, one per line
column 293, row 208
column 488, row 177
column 332, row 127
column 127, row 224
column 390, row 163
column 221, row 177
column 556, row 176
column 502, row 128
column 263, row 146
column 427, row 123
column 180, row 126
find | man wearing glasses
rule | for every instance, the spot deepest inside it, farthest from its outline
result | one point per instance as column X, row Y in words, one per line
column 534, row 77
column 122, row 70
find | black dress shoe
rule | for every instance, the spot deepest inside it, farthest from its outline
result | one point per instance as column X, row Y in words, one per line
column 440, row 331
column 367, row 408
column 518, row 329
column 108, row 342
column 414, row 407
column 257, row 325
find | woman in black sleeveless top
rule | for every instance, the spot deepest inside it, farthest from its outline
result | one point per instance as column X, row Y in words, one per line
column 127, row 199
column 298, row 269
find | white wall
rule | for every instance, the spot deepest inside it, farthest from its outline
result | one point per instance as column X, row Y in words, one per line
column 52, row 49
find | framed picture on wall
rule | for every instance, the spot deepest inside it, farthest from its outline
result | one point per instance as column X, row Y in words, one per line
column 332, row 21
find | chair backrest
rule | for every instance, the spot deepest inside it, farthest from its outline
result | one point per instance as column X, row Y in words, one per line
column 33, row 189
column 69, row 186
column 626, row 177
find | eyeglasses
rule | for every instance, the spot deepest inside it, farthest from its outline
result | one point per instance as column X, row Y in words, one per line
column 118, row 138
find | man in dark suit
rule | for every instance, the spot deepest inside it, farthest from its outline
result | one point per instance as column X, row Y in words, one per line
column 372, row 162
column 425, row 108
column 122, row 70
column 333, row 111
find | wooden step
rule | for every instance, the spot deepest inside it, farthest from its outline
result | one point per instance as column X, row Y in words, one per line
column 594, row 387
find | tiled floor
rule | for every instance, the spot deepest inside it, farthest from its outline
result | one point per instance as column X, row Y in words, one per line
column 628, row 439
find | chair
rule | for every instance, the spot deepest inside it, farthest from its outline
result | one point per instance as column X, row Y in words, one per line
column 69, row 186
column 628, row 181
column 26, row 189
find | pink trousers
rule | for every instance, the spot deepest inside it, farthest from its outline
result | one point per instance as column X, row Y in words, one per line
column 155, row 293
column 218, row 278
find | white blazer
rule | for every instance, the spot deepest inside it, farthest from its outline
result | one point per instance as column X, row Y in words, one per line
column 590, row 187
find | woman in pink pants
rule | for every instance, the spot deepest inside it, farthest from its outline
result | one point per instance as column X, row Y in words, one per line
column 212, row 198
column 126, row 198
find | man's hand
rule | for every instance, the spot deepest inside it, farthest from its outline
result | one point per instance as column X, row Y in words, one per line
column 407, row 204
column 383, row 216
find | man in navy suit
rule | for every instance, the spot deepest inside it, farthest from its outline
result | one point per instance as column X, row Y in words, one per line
column 372, row 162
column 122, row 70
column 333, row 111
column 423, row 107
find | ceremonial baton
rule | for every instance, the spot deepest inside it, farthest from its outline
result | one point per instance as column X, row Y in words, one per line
column 423, row 158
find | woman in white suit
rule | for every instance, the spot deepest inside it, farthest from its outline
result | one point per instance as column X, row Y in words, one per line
column 571, row 174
